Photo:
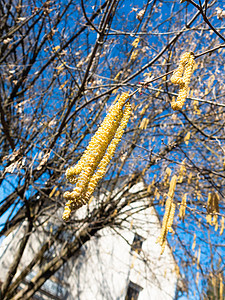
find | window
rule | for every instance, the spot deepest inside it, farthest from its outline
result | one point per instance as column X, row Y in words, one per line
column 50, row 289
column 133, row 291
column 137, row 243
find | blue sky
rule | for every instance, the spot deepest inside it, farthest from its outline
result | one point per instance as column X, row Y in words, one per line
column 155, row 43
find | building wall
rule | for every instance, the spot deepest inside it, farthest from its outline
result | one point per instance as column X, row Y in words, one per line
column 107, row 265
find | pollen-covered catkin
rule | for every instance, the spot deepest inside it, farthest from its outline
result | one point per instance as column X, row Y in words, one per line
column 135, row 42
column 169, row 215
column 71, row 175
column 212, row 209
column 104, row 134
column 182, row 171
column 209, row 204
column 134, row 55
column 183, row 206
column 182, row 76
column 222, row 225
column 95, row 157
column 109, row 153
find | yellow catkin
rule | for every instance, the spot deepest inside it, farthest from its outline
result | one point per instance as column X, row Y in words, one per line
column 214, row 281
column 53, row 191
column 221, row 287
column 194, row 242
column 182, row 76
column 169, row 214
column 209, row 210
column 144, row 123
column 187, row 138
column 213, row 209
column 197, row 278
column 182, row 172
column 135, row 42
column 157, row 94
column 183, row 206
column 104, row 134
column 177, row 270
column 171, row 217
column 196, row 107
column 216, row 224
column 134, row 55
column 142, row 112
column 117, row 75
column 109, row 154
column 198, row 259
column 216, row 202
column 190, row 178
column 95, row 156
column 172, row 186
column 167, row 175
column 156, row 193
column 152, row 184
column 149, row 188
column 222, row 225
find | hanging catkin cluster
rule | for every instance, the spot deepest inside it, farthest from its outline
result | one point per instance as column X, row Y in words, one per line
column 212, row 209
column 183, row 206
column 169, row 214
column 182, row 172
column 182, row 76
column 93, row 163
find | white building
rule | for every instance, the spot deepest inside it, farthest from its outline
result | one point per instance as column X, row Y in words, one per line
column 118, row 263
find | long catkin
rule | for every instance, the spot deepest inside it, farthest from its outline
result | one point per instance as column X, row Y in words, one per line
column 182, row 76
column 93, row 163
column 168, row 215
